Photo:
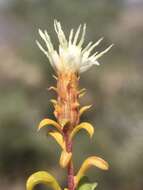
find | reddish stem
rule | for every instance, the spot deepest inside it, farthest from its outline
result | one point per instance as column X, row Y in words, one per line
column 70, row 168
column 70, row 176
column 67, row 108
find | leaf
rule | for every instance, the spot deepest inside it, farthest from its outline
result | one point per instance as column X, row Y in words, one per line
column 42, row 177
column 91, row 161
column 54, row 77
column 84, row 184
column 53, row 88
column 82, row 94
column 58, row 137
column 54, row 102
column 64, row 122
column 83, row 109
column 47, row 122
column 65, row 158
column 84, row 125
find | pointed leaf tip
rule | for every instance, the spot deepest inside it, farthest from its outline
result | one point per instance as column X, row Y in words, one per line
column 52, row 88
column 48, row 122
column 58, row 137
column 91, row 161
column 42, row 177
column 53, row 101
column 84, row 125
column 83, row 109
column 65, row 158
column 64, row 122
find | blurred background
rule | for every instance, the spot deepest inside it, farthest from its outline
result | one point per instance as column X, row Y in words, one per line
column 115, row 89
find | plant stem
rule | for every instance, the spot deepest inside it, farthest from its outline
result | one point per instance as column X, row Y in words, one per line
column 70, row 167
column 67, row 109
column 70, row 176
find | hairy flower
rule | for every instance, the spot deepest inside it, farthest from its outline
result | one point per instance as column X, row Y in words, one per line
column 71, row 56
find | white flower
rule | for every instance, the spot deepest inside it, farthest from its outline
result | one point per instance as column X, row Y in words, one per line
column 70, row 57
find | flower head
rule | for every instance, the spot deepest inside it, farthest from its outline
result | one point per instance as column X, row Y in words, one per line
column 71, row 56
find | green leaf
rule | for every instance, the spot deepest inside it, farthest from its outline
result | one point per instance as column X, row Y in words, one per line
column 85, row 184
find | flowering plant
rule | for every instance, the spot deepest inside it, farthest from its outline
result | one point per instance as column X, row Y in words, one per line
column 68, row 63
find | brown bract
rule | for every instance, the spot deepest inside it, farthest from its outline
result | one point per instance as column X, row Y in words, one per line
column 67, row 107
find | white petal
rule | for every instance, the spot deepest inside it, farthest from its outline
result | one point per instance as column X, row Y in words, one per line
column 82, row 36
column 103, row 52
column 42, row 49
column 88, row 65
column 41, row 34
column 76, row 35
column 46, row 53
column 47, row 41
column 94, row 55
column 60, row 33
column 87, row 47
column 98, row 42
column 84, row 68
column 71, row 36
column 55, row 61
column 94, row 45
column 96, row 63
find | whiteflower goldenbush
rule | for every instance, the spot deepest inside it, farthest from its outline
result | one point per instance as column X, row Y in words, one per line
column 71, row 56
column 69, row 61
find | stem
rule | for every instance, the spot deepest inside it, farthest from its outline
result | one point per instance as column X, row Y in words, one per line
column 67, row 109
column 70, row 167
column 70, row 176
column 70, row 170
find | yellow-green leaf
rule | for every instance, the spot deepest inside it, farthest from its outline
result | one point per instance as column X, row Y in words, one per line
column 81, row 91
column 64, row 122
column 48, row 122
column 55, row 77
column 82, row 94
column 42, row 177
column 65, row 158
column 91, row 161
column 83, row 109
column 54, row 102
column 87, row 126
column 53, row 88
column 58, row 137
